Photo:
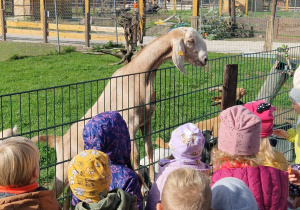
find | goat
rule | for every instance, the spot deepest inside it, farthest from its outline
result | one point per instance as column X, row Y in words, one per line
column 133, row 95
column 9, row 132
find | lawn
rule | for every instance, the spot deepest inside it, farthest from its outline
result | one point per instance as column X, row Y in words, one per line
column 61, row 94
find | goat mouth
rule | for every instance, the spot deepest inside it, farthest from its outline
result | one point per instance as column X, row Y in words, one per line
column 198, row 63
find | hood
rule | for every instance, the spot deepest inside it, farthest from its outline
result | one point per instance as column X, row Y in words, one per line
column 108, row 133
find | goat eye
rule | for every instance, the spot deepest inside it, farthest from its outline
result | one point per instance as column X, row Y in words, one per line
column 190, row 41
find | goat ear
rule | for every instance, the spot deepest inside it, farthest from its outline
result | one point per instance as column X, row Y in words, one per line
column 178, row 55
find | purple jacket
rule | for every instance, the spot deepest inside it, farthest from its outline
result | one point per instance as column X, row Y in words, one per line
column 268, row 185
column 108, row 133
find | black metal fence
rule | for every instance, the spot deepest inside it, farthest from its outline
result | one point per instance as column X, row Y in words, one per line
column 179, row 99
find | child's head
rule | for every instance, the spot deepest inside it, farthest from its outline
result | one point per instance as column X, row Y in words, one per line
column 108, row 133
column 295, row 99
column 264, row 111
column 186, row 188
column 232, row 193
column 239, row 137
column 187, row 143
column 19, row 163
column 89, row 175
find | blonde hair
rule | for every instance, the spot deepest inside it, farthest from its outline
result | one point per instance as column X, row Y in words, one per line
column 218, row 158
column 188, row 189
column 266, row 151
column 19, row 159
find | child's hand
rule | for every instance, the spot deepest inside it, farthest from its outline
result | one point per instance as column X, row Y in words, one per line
column 281, row 133
column 294, row 176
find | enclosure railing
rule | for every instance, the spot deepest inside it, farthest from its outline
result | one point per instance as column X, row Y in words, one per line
column 179, row 99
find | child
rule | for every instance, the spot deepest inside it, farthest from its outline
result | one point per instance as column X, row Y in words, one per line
column 108, row 133
column 89, row 177
column 231, row 193
column 293, row 135
column 186, row 146
column 185, row 188
column 265, row 112
column 19, row 167
column 237, row 156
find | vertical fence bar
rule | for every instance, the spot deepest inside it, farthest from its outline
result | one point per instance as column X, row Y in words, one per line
column 229, row 86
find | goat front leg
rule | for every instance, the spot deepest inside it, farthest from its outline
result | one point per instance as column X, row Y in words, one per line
column 134, row 149
column 146, row 132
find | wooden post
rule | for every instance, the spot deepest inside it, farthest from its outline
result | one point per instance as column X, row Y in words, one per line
column 220, row 7
column 76, row 7
column 45, row 28
column 270, row 27
column 142, row 19
column 175, row 5
column 43, row 20
column 275, row 80
column 87, row 29
column 276, row 26
column 195, row 17
column 246, row 8
column 232, row 12
column 229, row 86
column 124, row 3
column 3, row 24
column 286, row 5
column 87, row 23
column 94, row 7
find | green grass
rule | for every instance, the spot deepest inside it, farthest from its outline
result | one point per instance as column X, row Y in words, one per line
column 179, row 98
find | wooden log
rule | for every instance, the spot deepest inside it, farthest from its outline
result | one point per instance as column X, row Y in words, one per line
column 229, row 86
column 275, row 80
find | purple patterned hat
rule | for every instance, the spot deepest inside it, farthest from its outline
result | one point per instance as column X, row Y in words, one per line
column 187, row 143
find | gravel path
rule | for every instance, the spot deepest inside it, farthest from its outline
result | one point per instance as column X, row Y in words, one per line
column 212, row 46
column 235, row 46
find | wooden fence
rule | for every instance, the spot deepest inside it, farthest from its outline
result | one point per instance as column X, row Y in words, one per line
column 284, row 28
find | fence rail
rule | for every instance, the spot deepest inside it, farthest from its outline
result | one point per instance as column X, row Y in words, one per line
column 179, row 99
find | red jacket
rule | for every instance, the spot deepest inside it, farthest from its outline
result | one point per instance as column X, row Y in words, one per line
column 268, row 185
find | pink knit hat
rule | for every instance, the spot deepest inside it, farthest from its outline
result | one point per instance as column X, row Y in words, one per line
column 239, row 132
column 264, row 111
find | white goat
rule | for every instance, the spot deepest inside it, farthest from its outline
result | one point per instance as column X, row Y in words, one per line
column 134, row 94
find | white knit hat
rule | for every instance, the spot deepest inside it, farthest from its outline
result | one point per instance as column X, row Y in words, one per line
column 295, row 92
column 296, row 78
column 231, row 193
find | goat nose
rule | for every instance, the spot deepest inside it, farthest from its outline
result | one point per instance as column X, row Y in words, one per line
column 205, row 60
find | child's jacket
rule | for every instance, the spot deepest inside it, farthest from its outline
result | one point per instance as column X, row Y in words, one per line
column 108, row 133
column 294, row 137
column 268, row 185
column 116, row 199
column 156, row 190
column 44, row 199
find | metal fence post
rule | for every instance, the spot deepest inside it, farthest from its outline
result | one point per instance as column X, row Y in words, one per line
column 3, row 24
column 229, row 86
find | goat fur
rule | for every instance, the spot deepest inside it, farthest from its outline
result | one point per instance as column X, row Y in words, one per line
column 9, row 132
column 133, row 94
